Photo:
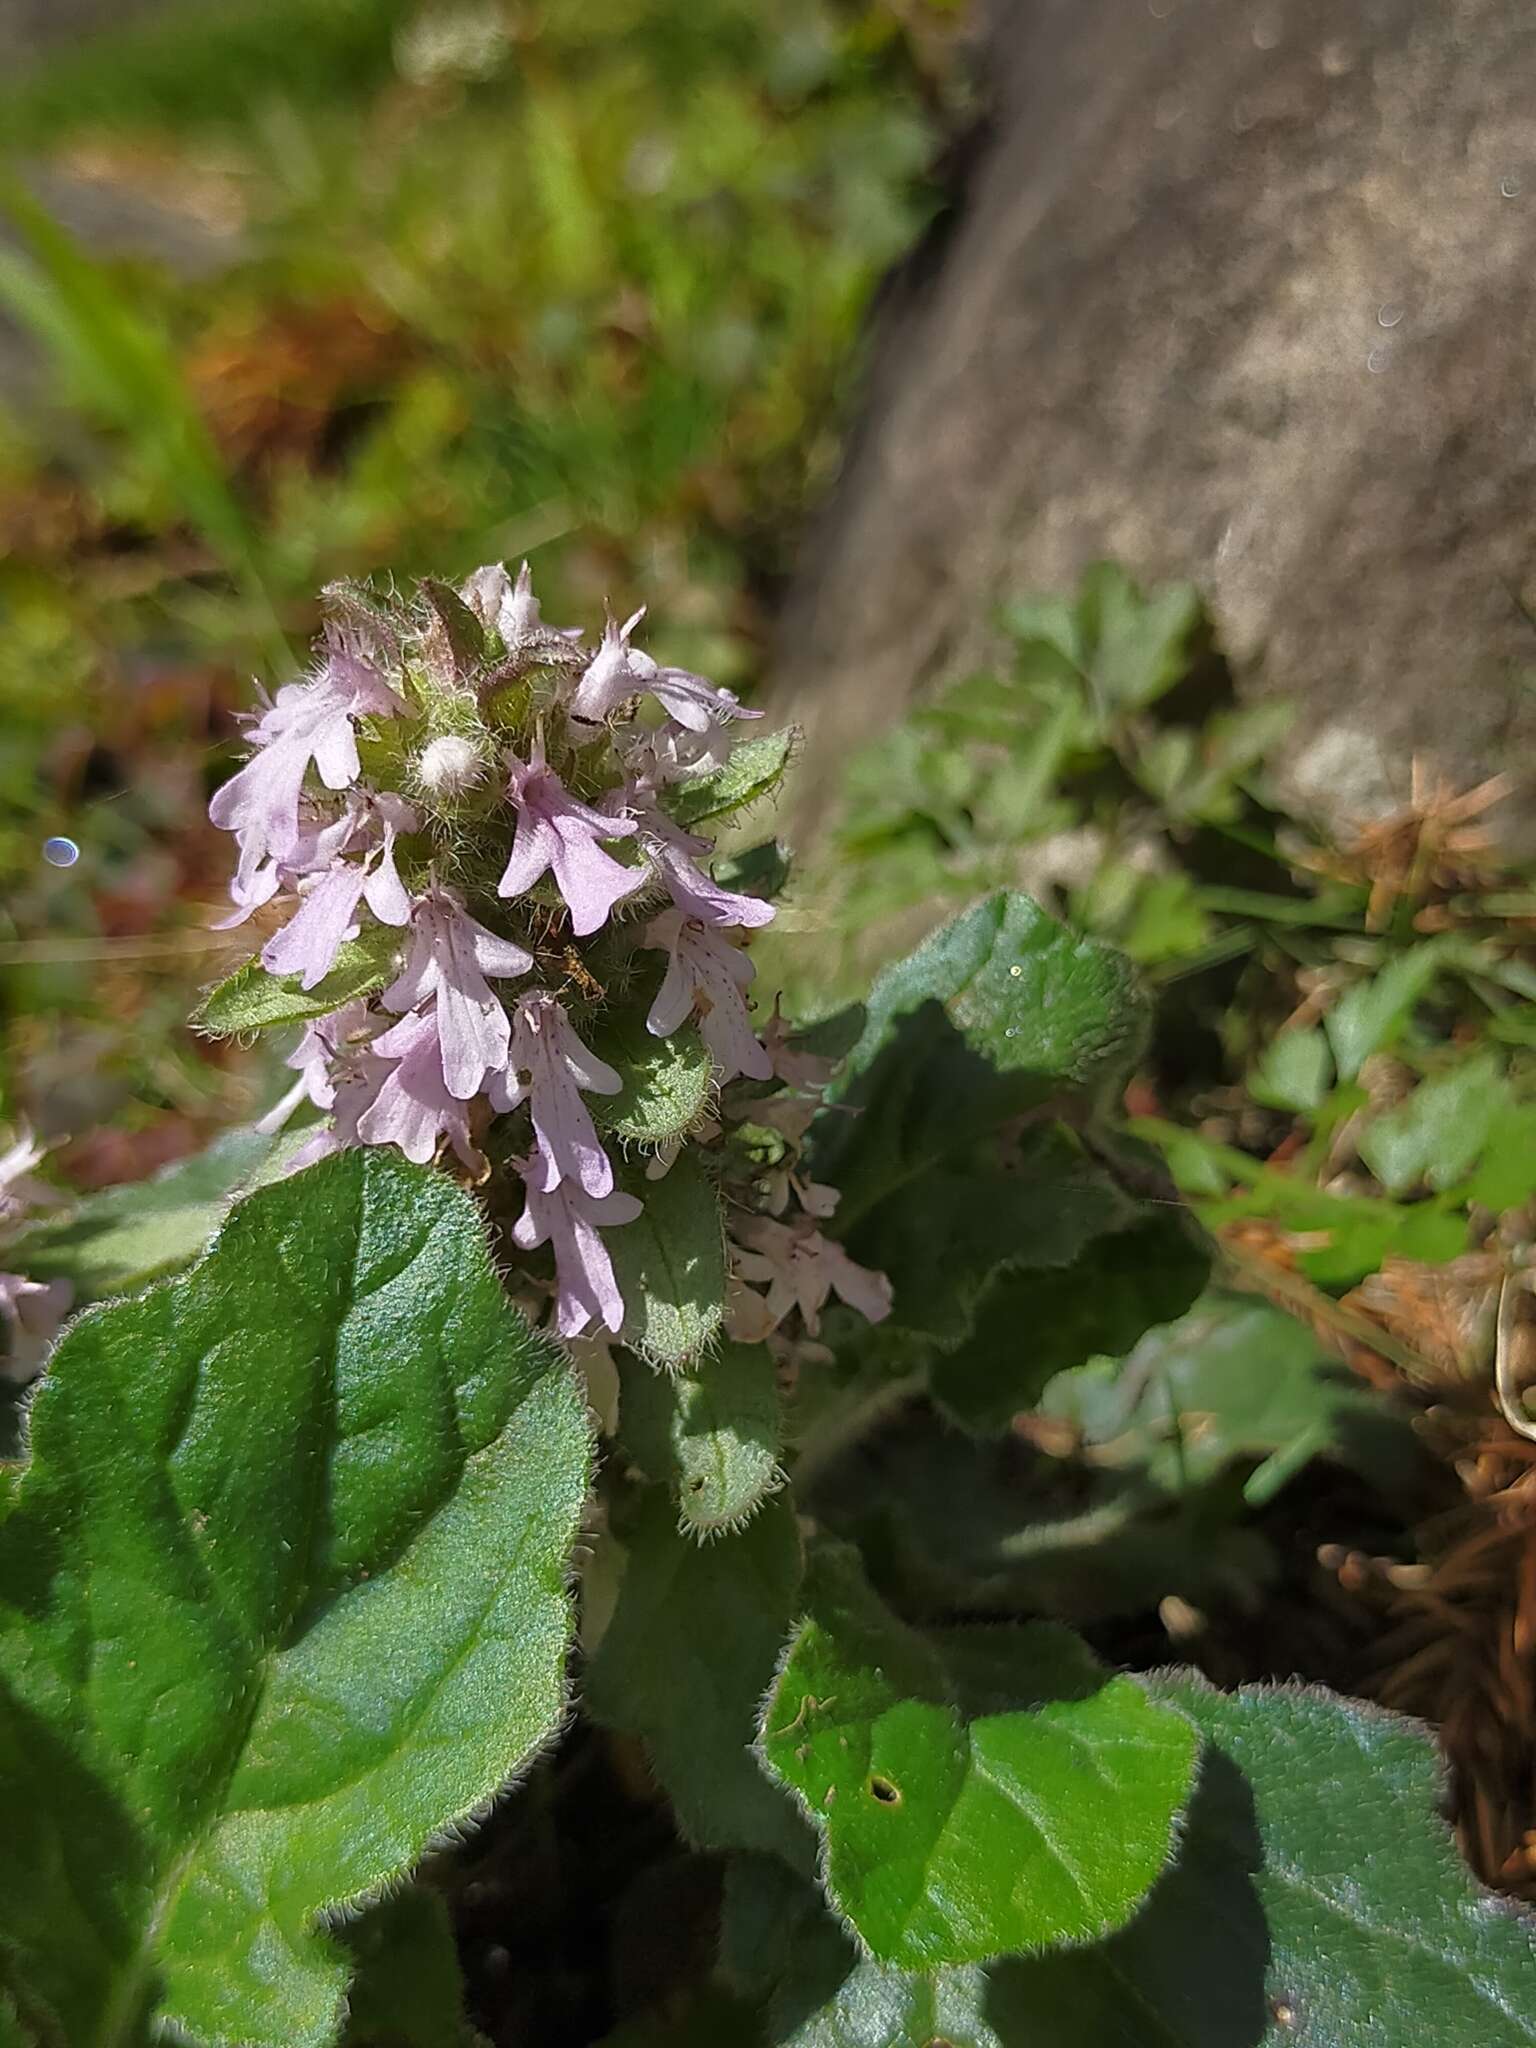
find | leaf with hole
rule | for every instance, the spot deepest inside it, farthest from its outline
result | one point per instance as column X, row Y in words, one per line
column 979, row 1791
column 282, row 1596
column 1269, row 1930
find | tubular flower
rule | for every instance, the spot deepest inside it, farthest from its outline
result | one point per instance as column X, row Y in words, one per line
column 308, row 722
column 556, row 832
column 549, row 1067
column 568, row 1220
column 706, row 972
column 450, row 957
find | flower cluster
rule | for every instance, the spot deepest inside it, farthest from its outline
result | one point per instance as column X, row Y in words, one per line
column 31, row 1310
column 490, row 807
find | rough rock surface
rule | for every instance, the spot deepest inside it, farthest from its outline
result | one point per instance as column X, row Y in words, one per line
column 1238, row 290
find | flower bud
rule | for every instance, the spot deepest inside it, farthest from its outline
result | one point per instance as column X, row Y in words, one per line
column 449, row 765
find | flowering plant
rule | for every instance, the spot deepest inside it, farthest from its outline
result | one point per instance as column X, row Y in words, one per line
column 554, row 1361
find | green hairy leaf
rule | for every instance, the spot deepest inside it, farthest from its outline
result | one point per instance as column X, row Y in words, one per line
column 1271, row 1928
column 1032, row 1325
column 667, row 1081
column 978, row 1791
column 124, row 1237
column 998, row 1013
column 670, row 1265
column 686, row 1658
column 755, row 770
column 712, row 1435
column 253, row 1000
column 282, row 1596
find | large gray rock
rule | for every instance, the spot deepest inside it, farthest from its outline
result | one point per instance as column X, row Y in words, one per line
column 1242, row 291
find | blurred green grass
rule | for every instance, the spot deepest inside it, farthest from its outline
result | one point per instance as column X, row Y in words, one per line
column 474, row 280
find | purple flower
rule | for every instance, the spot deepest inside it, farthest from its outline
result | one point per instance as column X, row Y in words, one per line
column 565, row 1217
column 450, row 956
column 19, row 1191
column 555, row 831
column 800, row 1268
column 310, row 721
column 313, row 1060
column 511, row 610
column 309, row 942
column 671, row 853
column 707, row 971
column 34, row 1310
column 619, row 670
column 412, row 1108
column 549, row 1066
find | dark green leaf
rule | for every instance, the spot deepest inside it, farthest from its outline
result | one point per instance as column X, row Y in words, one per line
column 712, row 1435
column 670, row 1264
column 124, row 1237
column 253, row 1000
column 943, row 1241
column 755, row 770
column 686, row 1658
column 407, row 1992
column 762, row 870
column 1032, row 1325
column 979, row 1792
column 281, row 1597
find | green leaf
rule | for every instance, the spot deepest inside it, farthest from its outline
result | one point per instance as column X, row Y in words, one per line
column 282, row 1596
column 1000, row 1011
column 407, row 1992
column 1295, row 1072
column 1032, row 1325
column 124, row 1237
column 670, row 1264
column 1317, row 1898
column 943, row 1242
column 253, row 1000
column 1375, row 1012
column 1436, row 1136
column 1236, row 1379
column 686, row 1658
column 1128, row 648
column 667, row 1081
column 761, row 870
column 712, row 1435
column 755, row 770
column 979, row 1791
